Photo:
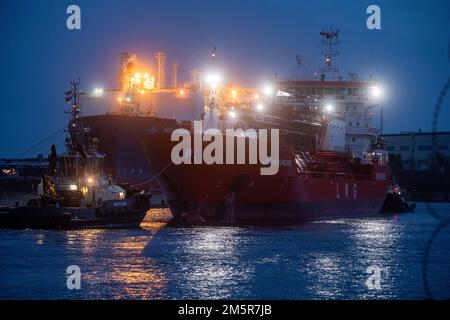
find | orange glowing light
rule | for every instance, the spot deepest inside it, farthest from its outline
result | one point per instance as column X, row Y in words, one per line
column 119, row 99
column 234, row 94
column 182, row 92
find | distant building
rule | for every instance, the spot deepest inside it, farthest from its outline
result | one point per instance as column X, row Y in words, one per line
column 417, row 149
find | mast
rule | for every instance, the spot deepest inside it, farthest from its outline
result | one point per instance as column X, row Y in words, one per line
column 77, row 144
column 75, row 126
column 330, row 41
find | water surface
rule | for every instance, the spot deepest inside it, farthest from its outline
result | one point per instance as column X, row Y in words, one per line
column 318, row 260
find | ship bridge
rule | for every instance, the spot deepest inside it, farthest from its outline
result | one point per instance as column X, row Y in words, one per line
column 352, row 101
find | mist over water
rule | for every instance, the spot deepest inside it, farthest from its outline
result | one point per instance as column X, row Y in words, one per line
column 317, row 260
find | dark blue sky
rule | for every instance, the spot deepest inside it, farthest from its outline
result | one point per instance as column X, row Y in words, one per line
column 410, row 55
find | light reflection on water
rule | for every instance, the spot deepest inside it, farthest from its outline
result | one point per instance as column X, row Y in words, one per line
column 320, row 260
column 323, row 274
column 211, row 260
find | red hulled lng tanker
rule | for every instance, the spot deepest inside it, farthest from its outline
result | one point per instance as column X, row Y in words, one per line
column 308, row 185
column 329, row 161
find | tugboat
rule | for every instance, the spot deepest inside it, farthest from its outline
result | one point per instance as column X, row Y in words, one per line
column 75, row 193
column 395, row 202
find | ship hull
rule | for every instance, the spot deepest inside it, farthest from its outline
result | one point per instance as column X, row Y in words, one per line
column 239, row 193
column 112, row 214
column 120, row 139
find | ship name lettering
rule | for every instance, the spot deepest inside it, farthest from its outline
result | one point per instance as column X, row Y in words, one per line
column 346, row 191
